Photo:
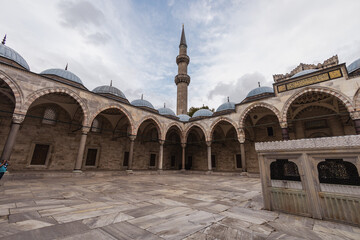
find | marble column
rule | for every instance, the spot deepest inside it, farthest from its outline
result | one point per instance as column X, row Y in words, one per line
column 10, row 141
column 208, row 144
column 80, row 156
column 131, row 152
column 183, row 146
column 161, row 155
column 285, row 133
column 243, row 158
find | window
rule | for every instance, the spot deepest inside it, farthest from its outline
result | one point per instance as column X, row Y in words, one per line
column 213, row 161
column 337, row 171
column 314, row 124
column 49, row 116
column 95, row 127
column 282, row 169
column 40, row 154
column 91, row 157
column 126, row 159
column 152, row 160
column 188, row 164
column 270, row 131
column 173, row 161
column 238, row 161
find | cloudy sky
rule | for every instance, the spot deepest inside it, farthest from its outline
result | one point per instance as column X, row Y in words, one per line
column 232, row 44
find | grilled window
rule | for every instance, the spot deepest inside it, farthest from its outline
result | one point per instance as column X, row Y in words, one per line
column 126, row 159
column 213, row 161
column 49, row 116
column 282, row 169
column 91, row 157
column 270, row 131
column 40, row 154
column 337, row 171
column 152, row 160
column 173, row 161
column 238, row 161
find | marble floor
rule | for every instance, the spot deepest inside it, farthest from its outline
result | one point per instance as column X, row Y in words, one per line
column 167, row 206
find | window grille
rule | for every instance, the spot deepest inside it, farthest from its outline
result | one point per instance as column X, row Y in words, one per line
column 282, row 169
column 126, row 159
column 152, row 160
column 337, row 171
column 213, row 161
column 91, row 157
column 49, row 116
column 40, row 154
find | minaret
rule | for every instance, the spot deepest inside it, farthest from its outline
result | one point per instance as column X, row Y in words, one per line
column 182, row 80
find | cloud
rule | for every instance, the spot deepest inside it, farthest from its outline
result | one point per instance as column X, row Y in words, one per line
column 237, row 90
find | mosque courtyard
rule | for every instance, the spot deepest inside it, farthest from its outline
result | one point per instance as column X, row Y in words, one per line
column 149, row 206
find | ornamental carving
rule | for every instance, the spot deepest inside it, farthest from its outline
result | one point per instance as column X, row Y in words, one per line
column 182, row 78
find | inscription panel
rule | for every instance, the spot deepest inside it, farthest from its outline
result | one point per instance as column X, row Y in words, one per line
column 309, row 81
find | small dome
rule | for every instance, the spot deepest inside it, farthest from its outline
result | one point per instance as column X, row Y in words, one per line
column 184, row 117
column 203, row 113
column 63, row 74
column 166, row 111
column 110, row 90
column 226, row 106
column 304, row 72
column 12, row 55
column 142, row 103
column 260, row 90
column 354, row 66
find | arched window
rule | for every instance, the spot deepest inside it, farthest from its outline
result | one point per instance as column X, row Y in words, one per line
column 49, row 116
column 282, row 169
column 95, row 127
column 337, row 171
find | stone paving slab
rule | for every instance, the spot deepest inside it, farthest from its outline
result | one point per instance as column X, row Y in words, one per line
column 169, row 206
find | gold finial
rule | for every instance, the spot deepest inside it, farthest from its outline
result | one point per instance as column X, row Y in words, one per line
column 259, row 84
column 66, row 67
column 4, row 40
column 110, row 83
column 228, row 99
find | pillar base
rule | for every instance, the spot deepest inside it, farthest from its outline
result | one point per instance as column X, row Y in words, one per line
column 182, row 170
column 129, row 172
column 77, row 171
column 160, row 171
column 209, row 172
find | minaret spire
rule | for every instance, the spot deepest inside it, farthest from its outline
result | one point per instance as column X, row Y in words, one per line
column 182, row 79
column 4, row 40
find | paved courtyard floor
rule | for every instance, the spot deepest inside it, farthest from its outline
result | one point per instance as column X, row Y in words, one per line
column 169, row 206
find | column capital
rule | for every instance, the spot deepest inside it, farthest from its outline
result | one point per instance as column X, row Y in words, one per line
column 283, row 124
column 132, row 137
column 18, row 118
column 161, row 142
column 183, row 145
column 355, row 115
column 208, row 143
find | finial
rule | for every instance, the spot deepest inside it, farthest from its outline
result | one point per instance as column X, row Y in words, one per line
column 164, row 105
column 66, row 66
column 228, row 99
column 142, row 96
column 259, row 84
column 4, row 40
column 110, row 83
column 183, row 39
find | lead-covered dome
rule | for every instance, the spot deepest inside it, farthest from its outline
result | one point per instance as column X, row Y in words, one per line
column 304, row 72
column 184, row 117
column 65, row 74
column 260, row 90
column 226, row 106
column 12, row 55
column 109, row 90
column 142, row 103
column 354, row 66
column 166, row 111
column 203, row 113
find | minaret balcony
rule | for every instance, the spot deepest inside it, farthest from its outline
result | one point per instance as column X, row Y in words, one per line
column 182, row 58
column 182, row 78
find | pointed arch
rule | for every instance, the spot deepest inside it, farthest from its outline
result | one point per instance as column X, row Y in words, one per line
column 15, row 88
column 255, row 105
column 224, row 119
column 37, row 94
column 345, row 100
column 155, row 120
column 121, row 109
column 187, row 131
column 174, row 124
column 356, row 100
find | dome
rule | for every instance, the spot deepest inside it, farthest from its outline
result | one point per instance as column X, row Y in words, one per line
column 260, row 90
column 12, row 55
column 142, row 103
column 184, row 117
column 226, row 106
column 203, row 113
column 63, row 74
column 110, row 90
column 354, row 66
column 166, row 111
column 304, row 72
